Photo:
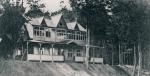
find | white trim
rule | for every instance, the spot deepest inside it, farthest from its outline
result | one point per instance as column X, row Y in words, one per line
column 33, row 57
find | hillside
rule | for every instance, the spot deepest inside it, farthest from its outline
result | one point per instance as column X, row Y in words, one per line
column 17, row 68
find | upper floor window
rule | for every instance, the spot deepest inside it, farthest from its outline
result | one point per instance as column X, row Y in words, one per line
column 61, row 32
column 48, row 34
column 38, row 31
column 76, row 35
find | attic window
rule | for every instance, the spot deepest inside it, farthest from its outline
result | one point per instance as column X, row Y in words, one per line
column 76, row 27
column 43, row 23
column 60, row 24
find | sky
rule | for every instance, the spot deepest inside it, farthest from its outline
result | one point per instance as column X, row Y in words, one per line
column 54, row 5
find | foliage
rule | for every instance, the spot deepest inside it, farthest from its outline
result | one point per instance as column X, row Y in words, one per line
column 35, row 8
column 117, row 21
column 93, row 14
column 10, row 24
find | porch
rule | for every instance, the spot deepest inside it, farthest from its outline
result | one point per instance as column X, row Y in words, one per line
column 71, row 52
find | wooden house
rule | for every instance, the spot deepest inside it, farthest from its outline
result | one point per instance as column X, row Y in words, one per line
column 51, row 38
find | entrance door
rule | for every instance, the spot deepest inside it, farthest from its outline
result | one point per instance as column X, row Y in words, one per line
column 70, row 55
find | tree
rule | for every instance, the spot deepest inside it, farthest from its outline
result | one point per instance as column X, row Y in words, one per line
column 10, row 24
column 93, row 14
column 122, row 22
column 35, row 8
column 130, row 25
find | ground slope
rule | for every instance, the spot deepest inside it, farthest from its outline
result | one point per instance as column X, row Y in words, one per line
column 18, row 68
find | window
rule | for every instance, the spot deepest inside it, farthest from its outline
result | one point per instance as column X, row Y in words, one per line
column 70, row 54
column 61, row 32
column 41, row 31
column 76, row 35
column 38, row 31
column 79, row 53
column 48, row 34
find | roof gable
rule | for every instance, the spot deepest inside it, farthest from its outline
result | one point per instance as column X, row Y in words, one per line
column 75, row 26
column 29, row 28
column 43, row 20
column 36, row 21
column 56, row 19
column 71, row 25
column 43, row 23
column 81, row 28
column 49, row 22
column 62, row 23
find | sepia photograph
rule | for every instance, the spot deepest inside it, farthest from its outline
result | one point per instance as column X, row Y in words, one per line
column 74, row 37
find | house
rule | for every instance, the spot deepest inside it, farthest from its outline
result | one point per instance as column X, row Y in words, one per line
column 51, row 38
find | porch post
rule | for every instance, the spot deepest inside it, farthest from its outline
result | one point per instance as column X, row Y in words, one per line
column 27, row 50
column 22, row 49
column 40, row 52
column 87, row 48
column 52, row 52
column 87, row 56
column 93, row 55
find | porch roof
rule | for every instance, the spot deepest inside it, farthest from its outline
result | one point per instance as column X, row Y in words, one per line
column 67, row 42
column 36, row 41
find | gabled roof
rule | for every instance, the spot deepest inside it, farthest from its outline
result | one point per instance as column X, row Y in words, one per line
column 49, row 22
column 36, row 21
column 80, row 27
column 56, row 19
column 29, row 28
column 72, row 25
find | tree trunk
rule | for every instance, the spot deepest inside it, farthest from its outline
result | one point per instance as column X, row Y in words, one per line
column 133, row 73
column 139, row 54
column 140, row 59
column 119, row 54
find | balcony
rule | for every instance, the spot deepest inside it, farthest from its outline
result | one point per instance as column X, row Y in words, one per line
column 58, row 35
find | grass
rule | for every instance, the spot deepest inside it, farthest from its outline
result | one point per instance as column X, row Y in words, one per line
column 18, row 68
